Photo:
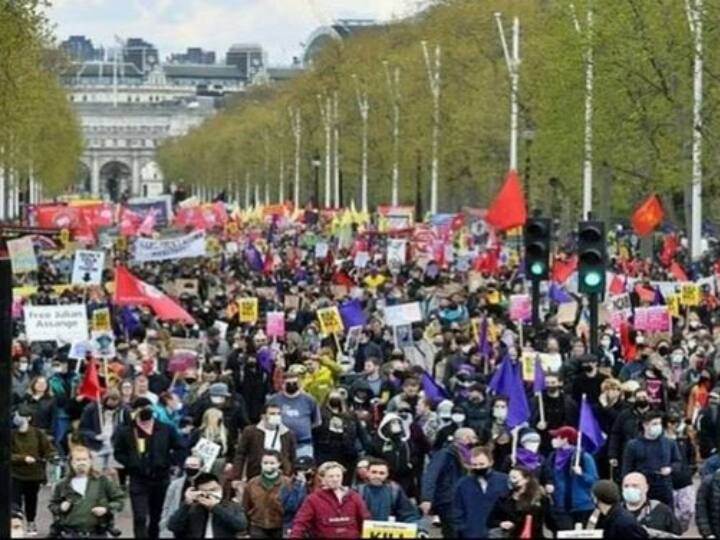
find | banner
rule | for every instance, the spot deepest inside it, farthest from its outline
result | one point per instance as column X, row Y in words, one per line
column 66, row 323
column 162, row 205
column 88, row 267
column 520, row 307
column 190, row 245
column 389, row 529
column 275, row 324
column 551, row 363
column 403, row 314
column 22, row 255
column 248, row 310
column 396, row 252
column 330, row 321
column 653, row 319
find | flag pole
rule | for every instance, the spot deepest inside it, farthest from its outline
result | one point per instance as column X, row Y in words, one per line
column 513, row 454
column 578, row 450
column 541, row 406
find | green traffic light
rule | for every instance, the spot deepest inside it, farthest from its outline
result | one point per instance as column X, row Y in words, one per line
column 592, row 279
column 537, row 268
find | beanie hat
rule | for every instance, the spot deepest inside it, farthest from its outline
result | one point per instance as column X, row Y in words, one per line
column 606, row 492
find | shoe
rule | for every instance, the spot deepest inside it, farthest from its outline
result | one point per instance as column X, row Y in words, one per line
column 31, row 529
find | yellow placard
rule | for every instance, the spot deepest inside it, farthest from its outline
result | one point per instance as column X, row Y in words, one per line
column 101, row 320
column 547, row 361
column 248, row 309
column 673, row 303
column 330, row 321
column 65, row 237
column 213, row 246
column 690, row 294
column 388, row 529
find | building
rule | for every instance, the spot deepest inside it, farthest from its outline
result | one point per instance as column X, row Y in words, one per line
column 80, row 49
column 193, row 55
column 249, row 59
column 339, row 30
column 143, row 55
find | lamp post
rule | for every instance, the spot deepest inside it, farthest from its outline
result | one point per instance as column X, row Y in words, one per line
column 316, row 163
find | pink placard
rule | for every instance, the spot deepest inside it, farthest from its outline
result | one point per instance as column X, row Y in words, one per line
column 275, row 324
column 520, row 307
column 658, row 319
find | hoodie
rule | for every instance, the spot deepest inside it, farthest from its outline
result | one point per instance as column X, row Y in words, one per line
column 395, row 448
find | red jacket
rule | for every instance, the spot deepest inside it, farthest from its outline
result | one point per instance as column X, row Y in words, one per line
column 323, row 516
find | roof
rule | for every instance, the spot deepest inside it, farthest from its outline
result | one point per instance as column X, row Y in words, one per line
column 195, row 71
column 92, row 69
column 245, row 47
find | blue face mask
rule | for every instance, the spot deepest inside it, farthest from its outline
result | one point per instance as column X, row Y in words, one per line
column 632, row 495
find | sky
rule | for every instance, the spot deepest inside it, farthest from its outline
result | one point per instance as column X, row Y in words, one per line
column 280, row 26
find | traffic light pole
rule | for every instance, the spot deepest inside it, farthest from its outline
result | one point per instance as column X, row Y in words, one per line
column 594, row 322
column 535, row 304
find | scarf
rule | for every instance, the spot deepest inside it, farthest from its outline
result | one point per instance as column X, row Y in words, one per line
column 528, row 459
column 268, row 482
column 563, row 456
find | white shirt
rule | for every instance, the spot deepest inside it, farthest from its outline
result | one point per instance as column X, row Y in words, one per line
column 79, row 484
column 209, row 527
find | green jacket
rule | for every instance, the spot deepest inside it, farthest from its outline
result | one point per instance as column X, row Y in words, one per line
column 34, row 443
column 100, row 491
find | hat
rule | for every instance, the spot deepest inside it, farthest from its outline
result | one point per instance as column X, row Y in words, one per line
column 297, row 370
column 565, row 432
column 529, row 436
column 444, row 408
column 606, row 492
column 219, row 389
column 630, row 386
column 141, row 403
column 303, row 463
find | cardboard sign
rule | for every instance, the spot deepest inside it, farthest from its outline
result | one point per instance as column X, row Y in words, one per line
column 65, row 323
column 389, row 529
column 266, row 292
column 88, row 267
column 690, row 294
column 275, row 326
column 103, row 344
column 330, row 321
column 520, row 307
column 396, row 249
column 101, row 320
column 321, row 250
column 339, row 291
column 551, row 363
column 653, row 319
column 248, row 310
column 403, row 314
column 673, row 304
column 208, row 451
column 292, row 301
column 22, row 255
column 567, row 313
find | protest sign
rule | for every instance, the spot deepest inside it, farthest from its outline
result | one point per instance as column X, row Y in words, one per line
column 88, row 267
column 389, row 529
column 567, row 313
column 403, row 336
column 330, row 321
column 690, row 294
column 103, row 344
column 653, row 319
column 403, row 314
column 101, row 320
column 520, row 307
column 275, row 326
column 339, row 291
column 475, row 281
column 580, row 533
column 248, row 310
column 161, row 205
column 80, row 349
column 65, row 323
column 181, row 360
column 222, row 327
column 180, row 247
column 266, row 292
column 22, row 255
column 673, row 303
column 361, row 259
column 551, row 363
column 187, row 286
column 208, row 451
column 186, row 344
column 353, row 339
column 396, row 249
column 321, row 250
column 292, row 301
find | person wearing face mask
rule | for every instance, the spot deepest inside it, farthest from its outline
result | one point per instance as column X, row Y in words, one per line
column 146, row 450
column 614, row 520
column 30, row 450
column 191, row 468
column 445, row 434
column 606, row 411
column 708, row 422
column 268, row 434
column 652, row 514
column 609, row 354
column 96, row 433
column 653, row 455
column 569, row 483
column 335, row 439
column 589, row 381
column 521, row 512
column 475, row 496
column 626, row 427
column 254, row 386
column 300, row 411
column 262, row 498
column 497, row 432
column 560, row 410
column 84, row 502
column 527, row 455
column 20, row 378
column 422, row 352
column 446, row 468
column 476, row 408
column 204, row 513
column 393, row 444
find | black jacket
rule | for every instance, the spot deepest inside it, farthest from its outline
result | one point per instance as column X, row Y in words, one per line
column 235, row 417
column 190, row 521
column 709, row 430
column 658, row 516
column 619, row 523
column 155, row 462
column 707, row 506
column 625, row 428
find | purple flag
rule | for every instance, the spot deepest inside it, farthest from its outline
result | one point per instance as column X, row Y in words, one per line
column 507, row 382
column 432, row 389
column 658, row 300
column 484, row 345
column 558, row 294
column 254, row 258
column 265, row 360
column 352, row 314
column 130, row 320
column 538, row 376
column 592, row 436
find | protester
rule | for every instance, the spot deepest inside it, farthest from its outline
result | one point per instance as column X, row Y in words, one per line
column 385, row 499
column 520, row 513
column 174, row 495
column 615, row 521
column 300, row 412
column 650, row 513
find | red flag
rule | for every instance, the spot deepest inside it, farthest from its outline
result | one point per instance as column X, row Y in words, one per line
column 563, row 269
column 677, row 271
column 669, row 249
column 148, row 224
column 527, row 530
column 90, row 386
column 508, row 209
column 617, row 285
column 129, row 290
column 629, row 349
column 648, row 215
column 129, row 222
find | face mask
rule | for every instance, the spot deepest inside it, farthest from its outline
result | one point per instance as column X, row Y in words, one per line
column 22, row 367
column 23, row 424
column 662, row 351
column 57, row 370
column 480, row 471
column 291, row 387
column 532, row 446
column 677, row 359
column 513, row 486
column 605, row 343
column 458, row 418
column 191, row 472
column 500, row 413
column 335, row 403
column 588, row 368
column 632, row 495
column 145, row 415
column 217, row 400
column 271, row 471
column 641, row 403
column 553, row 390
column 654, row 432
column 395, row 428
column 273, row 420
column 557, row 443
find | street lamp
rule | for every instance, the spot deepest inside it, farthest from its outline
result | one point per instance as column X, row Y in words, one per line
column 316, row 163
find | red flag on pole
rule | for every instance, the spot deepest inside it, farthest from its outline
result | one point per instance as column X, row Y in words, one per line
column 648, row 215
column 508, row 209
column 132, row 291
column 677, row 271
column 527, row 531
column 563, row 269
column 90, row 386
column 618, row 285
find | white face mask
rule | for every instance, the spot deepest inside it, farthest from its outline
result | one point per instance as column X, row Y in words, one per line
column 458, row 418
column 22, row 367
column 500, row 413
column 532, row 446
column 217, row 400
column 557, row 443
column 272, row 420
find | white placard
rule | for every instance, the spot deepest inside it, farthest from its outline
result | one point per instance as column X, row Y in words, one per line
column 189, row 245
column 396, row 252
column 22, row 255
column 208, row 451
column 103, row 344
column 88, row 267
column 67, row 323
column 403, row 314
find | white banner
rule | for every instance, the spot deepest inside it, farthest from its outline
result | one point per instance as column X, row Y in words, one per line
column 396, row 252
column 190, row 245
column 88, row 267
column 22, row 255
column 66, row 323
column 403, row 314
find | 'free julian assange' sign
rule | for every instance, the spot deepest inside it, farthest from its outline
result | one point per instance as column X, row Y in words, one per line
column 66, row 323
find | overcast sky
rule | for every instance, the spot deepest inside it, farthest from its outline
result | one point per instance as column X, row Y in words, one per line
column 280, row 26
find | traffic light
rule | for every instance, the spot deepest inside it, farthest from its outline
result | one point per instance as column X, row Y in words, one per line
column 537, row 248
column 591, row 257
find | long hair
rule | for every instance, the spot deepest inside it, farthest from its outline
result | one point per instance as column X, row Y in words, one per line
column 213, row 427
column 33, row 382
column 533, row 492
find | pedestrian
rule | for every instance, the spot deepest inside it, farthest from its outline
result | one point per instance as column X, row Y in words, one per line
column 174, row 495
column 615, row 520
column 520, row 513
column 655, row 516
column 385, row 499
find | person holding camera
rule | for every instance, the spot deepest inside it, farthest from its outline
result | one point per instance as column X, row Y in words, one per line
column 205, row 514
column 84, row 502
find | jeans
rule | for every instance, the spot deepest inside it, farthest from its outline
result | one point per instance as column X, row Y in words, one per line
column 26, row 491
column 146, row 500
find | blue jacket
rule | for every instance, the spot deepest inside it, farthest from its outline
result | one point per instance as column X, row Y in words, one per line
column 389, row 500
column 472, row 506
column 443, row 472
column 648, row 456
column 572, row 493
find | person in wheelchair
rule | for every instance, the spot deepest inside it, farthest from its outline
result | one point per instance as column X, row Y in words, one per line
column 84, row 502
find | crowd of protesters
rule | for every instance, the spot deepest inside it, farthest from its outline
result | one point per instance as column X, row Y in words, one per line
column 315, row 434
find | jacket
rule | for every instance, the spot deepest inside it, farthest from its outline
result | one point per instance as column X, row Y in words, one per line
column 572, row 493
column 251, row 446
column 336, row 438
column 43, row 410
column 100, row 491
column 658, row 516
column 154, row 463
column 173, row 498
column 321, row 382
column 472, row 506
column 263, row 507
column 442, row 473
column 508, row 509
column 625, row 428
column 619, row 523
column 389, row 500
column 190, row 521
column 34, row 443
column 709, row 430
column 322, row 515
column 707, row 506
column 648, row 456
column 90, row 423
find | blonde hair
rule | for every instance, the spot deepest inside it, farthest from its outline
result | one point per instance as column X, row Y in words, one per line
column 213, row 428
column 329, row 465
